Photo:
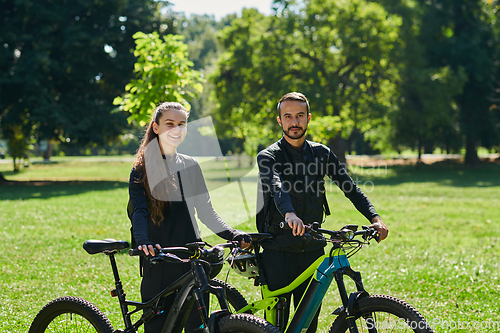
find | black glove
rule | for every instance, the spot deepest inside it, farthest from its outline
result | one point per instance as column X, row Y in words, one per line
column 242, row 236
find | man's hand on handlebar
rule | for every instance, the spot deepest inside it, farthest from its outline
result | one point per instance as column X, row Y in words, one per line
column 149, row 249
column 380, row 226
column 295, row 223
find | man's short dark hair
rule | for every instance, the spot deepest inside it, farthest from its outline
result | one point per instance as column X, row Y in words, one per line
column 293, row 96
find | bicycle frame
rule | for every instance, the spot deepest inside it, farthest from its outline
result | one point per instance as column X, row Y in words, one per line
column 320, row 275
column 188, row 293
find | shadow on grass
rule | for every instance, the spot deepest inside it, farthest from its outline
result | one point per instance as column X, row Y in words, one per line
column 25, row 190
column 445, row 173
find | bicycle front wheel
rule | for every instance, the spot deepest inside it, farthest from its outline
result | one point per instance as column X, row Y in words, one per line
column 245, row 323
column 70, row 314
column 381, row 314
column 235, row 300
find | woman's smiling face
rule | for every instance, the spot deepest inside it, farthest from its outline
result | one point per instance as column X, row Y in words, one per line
column 172, row 129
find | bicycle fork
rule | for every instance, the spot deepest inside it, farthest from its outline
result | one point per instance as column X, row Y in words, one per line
column 209, row 322
column 349, row 302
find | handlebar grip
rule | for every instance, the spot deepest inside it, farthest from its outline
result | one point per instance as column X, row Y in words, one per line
column 135, row 252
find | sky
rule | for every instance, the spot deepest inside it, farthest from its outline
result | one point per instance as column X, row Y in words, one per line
column 219, row 8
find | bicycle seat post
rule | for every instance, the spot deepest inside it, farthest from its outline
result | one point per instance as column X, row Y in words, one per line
column 118, row 291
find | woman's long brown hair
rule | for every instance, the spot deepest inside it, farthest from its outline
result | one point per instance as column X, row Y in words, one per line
column 155, row 206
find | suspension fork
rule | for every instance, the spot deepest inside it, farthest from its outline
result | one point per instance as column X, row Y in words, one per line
column 202, row 281
column 349, row 302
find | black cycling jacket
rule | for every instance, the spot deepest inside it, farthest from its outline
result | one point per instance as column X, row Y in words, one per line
column 293, row 181
column 189, row 196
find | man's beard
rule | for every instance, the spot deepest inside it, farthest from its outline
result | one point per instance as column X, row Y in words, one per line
column 297, row 135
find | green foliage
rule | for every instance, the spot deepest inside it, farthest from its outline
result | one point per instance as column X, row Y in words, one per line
column 63, row 62
column 462, row 35
column 17, row 145
column 163, row 74
column 323, row 128
column 429, row 114
column 204, row 49
column 335, row 52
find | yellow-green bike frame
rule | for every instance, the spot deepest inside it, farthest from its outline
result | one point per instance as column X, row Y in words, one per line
column 320, row 275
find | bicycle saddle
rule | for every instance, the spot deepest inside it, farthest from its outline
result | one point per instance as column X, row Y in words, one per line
column 97, row 246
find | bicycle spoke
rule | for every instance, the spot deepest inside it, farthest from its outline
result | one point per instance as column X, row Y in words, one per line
column 70, row 322
column 382, row 322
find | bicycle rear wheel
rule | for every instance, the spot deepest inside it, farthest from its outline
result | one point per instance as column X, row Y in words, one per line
column 245, row 323
column 71, row 314
column 385, row 314
column 234, row 298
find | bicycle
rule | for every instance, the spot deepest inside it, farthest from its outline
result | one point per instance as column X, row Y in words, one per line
column 359, row 311
column 74, row 314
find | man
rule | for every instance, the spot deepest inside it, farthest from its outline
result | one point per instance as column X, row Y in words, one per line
column 292, row 172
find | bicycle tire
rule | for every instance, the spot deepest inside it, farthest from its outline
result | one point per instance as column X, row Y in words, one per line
column 245, row 323
column 234, row 298
column 390, row 314
column 70, row 314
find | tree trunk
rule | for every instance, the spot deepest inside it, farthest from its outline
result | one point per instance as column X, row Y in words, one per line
column 419, row 150
column 16, row 166
column 338, row 146
column 471, row 158
column 47, row 154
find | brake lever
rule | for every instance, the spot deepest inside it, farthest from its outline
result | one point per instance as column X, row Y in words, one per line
column 370, row 234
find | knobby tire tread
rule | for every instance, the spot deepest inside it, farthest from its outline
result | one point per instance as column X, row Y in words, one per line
column 233, row 296
column 73, row 305
column 381, row 303
column 245, row 323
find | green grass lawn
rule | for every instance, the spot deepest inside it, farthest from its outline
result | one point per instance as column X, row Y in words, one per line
column 441, row 255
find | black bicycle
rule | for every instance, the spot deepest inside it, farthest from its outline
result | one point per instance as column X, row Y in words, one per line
column 74, row 314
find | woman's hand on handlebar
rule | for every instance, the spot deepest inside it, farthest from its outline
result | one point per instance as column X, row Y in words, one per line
column 149, row 249
column 244, row 240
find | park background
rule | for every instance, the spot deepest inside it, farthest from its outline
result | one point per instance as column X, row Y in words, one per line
column 405, row 92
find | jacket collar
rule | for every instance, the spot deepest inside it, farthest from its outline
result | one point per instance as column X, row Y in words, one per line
column 296, row 153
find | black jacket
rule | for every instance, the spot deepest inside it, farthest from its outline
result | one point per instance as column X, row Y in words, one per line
column 189, row 196
column 293, row 181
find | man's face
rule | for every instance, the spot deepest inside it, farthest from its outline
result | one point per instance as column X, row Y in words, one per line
column 294, row 119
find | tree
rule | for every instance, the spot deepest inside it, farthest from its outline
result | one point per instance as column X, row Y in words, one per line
column 204, row 49
column 427, row 112
column 63, row 62
column 163, row 73
column 335, row 52
column 460, row 34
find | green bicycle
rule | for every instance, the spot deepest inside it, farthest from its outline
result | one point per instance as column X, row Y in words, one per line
column 359, row 311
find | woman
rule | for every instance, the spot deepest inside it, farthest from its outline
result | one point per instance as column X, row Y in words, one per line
column 166, row 188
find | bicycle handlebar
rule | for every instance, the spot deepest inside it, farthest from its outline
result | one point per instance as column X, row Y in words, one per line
column 345, row 234
column 194, row 250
